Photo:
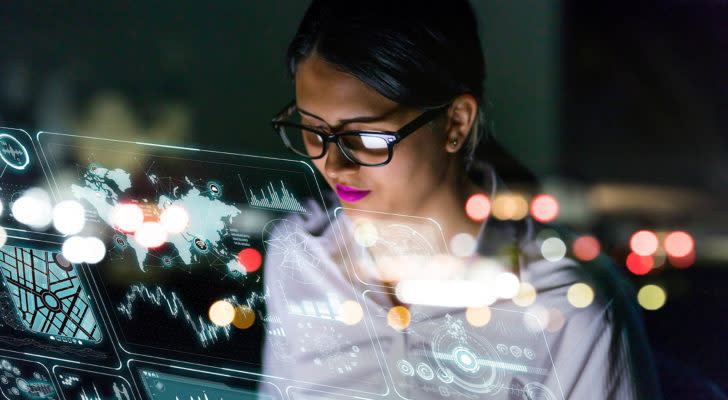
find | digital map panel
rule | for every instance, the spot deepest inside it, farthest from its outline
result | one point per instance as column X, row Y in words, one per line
column 47, row 294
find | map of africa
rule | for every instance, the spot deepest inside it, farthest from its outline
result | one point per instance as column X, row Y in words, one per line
column 209, row 216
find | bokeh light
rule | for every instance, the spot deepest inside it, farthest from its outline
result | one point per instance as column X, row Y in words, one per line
column 683, row 262
column 478, row 316
column 74, row 249
column 69, row 217
column 365, row 233
column 128, row 217
column 536, row 318
column 586, row 248
column 244, row 317
column 3, row 236
column 506, row 285
column 651, row 297
column 544, row 208
column 94, row 250
column 462, row 244
column 249, row 259
column 553, row 249
column 510, row 206
column 644, row 243
column 639, row 265
column 398, row 318
column 526, row 295
column 478, row 207
column 350, row 312
column 174, row 219
column 556, row 320
column 222, row 313
column 150, row 235
column 33, row 208
column 580, row 295
column 678, row 244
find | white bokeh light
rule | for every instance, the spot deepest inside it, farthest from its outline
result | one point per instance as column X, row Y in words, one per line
column 506, row 285
column 33, row 208
column 462, row 244
column 69, row 217
column 553, row 249
column 151, row 235
column 95, row 250
column 175, row 219
column 74, row 249
column 3, row 236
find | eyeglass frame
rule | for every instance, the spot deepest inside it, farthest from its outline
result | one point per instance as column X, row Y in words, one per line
column 390, row 137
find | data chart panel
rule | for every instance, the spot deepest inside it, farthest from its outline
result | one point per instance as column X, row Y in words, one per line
column 21, row 379
column 80, row 384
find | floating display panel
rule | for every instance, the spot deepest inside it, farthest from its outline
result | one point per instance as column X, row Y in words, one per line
column 174, row 279
column 21, row 379
column 20, row 170
column 80, row 384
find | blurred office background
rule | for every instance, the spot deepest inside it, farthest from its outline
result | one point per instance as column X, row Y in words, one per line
column 620, row 107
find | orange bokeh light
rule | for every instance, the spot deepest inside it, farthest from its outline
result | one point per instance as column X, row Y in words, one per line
column 478, row 207
column 644, row 243
column 586, row 248
column 544, row 208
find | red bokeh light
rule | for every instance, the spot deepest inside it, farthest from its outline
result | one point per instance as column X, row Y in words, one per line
column 128, row 217
column 478, row 207
column 678, row 244
column 644, row 243
column 250, row 259
column 544, row 208
column 151, row 235
column 586, row 248
column 639, row 265
column 682, row 262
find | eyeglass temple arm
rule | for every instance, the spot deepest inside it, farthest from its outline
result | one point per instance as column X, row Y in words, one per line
column 424, row 118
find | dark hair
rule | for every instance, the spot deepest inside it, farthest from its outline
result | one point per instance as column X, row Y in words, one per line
column 419, row 53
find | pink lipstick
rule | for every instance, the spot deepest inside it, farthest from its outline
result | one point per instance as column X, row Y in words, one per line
column 350, row 194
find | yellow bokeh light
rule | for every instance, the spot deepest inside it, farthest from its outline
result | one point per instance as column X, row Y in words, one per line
column 398, row 318
column 244, row 317
column 651, row 297
column 350, row 312
column 510, row 206
column 478, row 316
column 580, row 295
column 222, row 313
column 526, row 295
column 365, row 233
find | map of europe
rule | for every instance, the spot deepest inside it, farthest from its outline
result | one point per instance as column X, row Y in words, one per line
column 209, row 216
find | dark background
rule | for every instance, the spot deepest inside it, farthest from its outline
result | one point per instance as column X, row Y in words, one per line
column 620, row 108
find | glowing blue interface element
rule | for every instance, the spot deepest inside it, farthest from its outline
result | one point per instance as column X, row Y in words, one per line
column 276, row 197
column 25, row 380
column 163, row 386
column 79, row 384
column 48, row 295
column 13, row 152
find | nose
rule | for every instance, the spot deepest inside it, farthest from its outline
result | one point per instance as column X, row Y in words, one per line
column 336, row 164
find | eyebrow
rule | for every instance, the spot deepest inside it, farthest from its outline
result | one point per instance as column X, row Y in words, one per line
column 348, row 120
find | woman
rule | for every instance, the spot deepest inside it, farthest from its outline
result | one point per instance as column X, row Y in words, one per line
column 388, row 109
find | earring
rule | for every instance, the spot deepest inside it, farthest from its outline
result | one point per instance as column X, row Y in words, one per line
column 454, row 143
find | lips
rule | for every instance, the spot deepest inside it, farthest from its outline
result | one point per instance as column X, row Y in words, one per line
column 350, row 194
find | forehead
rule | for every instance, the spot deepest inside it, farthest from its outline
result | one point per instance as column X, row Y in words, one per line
column 324, row 90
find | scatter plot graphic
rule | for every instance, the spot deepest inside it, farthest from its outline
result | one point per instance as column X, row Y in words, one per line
column 76, row 384
column 48, row 294
column 286, row 243
column 25, row 380
column 164, row 386
column 275, row 197
column 206, row 332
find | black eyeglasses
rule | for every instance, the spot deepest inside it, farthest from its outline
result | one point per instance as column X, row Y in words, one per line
column 364, row 147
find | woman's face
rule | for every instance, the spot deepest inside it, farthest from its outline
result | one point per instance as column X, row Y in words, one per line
column 337, row 101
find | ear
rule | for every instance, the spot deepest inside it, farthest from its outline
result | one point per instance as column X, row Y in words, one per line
column 460, row 117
